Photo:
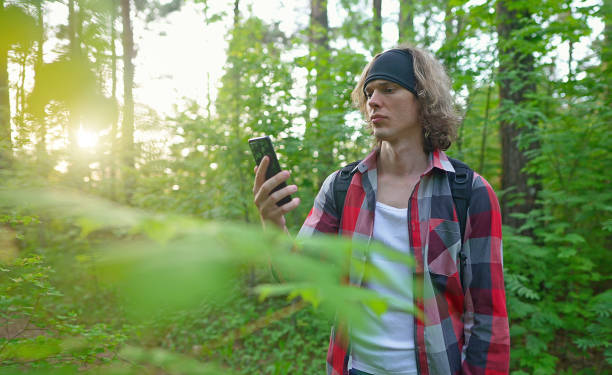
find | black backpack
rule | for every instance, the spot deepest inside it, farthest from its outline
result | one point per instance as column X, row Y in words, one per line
column 460, row 184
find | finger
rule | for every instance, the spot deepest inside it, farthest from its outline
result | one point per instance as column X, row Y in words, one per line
column 260, row 174
column 290, row 206
column 267, row 203
column 282, row 193
column 275, row 211
column 269, row 185
column 269, row 207
column 255, row 180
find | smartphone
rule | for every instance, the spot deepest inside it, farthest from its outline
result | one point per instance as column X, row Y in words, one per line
column 261, row 147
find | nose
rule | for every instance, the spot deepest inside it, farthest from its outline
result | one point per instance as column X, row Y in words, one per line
column 374, row 101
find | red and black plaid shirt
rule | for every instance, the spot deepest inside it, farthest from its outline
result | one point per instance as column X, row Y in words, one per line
column 462, row 331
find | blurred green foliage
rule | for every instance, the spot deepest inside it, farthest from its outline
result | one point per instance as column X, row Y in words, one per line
column 175, row 279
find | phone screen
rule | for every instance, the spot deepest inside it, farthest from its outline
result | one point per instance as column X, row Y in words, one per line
column 261, row 147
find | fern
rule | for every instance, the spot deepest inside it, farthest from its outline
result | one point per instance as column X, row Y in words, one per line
column 515, row 284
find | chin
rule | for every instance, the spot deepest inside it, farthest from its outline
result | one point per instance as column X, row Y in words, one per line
column 380, row 135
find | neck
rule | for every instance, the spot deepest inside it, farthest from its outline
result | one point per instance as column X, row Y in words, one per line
column 402, row 158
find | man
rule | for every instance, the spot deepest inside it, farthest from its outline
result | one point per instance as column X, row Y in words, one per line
column 400, row 195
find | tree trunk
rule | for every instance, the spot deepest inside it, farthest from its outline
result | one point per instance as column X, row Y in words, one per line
column 319, row 24
column 73, row 21
column 405, row 23
column 318, row 136
column 41, row 144
column 114, row 125
column 127, row 125
column 19, row 109
column 6, row 145
column 236, row 122
column 377, row 26
column 75, row 53
column 515, row 83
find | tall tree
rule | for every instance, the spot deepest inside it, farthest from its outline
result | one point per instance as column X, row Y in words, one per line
column 114, row 125
column 377, row 26
column 319, row 25
column 127, row 124
column 16, row 27
column 41, row 143
column 74, row 46
column 5, row 105
column 322, row 143
column 235, row 117
column 516, row 82
column 405, row 23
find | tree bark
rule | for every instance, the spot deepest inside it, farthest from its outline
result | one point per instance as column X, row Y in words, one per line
column 377, row 26
column 516, row 68
column 236, row 121
column 317, row 129
column 6, row 145
column 114, row 125
column 75, row 53
column 405, row 23
column 319, row 24
column 127, row 125
column 41, row 142
column 20, row 97
column 75, row 48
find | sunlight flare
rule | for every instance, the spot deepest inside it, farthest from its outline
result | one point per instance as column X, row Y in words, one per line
column 86, row 138
column 62, row 166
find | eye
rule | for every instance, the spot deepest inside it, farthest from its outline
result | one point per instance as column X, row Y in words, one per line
column 368, row 94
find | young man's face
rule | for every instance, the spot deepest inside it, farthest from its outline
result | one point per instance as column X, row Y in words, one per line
column 393, row 111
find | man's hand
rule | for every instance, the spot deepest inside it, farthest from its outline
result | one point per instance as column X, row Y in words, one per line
column 266, row 202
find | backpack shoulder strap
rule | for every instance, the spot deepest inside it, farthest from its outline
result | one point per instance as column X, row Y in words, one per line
column 461, row 189
column 341, row 184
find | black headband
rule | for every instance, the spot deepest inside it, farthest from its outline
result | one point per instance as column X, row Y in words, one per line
column 395, row 65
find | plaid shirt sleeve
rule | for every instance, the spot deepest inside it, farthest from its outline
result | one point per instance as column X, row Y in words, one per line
column 323, row 216
column 487, row 336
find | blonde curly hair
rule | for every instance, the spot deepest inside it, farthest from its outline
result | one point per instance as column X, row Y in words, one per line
column 437, row 112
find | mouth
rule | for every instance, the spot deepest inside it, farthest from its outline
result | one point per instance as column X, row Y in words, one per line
column 376, row 118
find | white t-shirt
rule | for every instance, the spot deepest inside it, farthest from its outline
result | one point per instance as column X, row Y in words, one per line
column 385, row 344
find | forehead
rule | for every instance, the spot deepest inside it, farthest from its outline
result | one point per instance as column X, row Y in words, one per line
column 378, row 83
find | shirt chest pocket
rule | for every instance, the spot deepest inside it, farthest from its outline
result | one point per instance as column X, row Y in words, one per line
column 444, row 244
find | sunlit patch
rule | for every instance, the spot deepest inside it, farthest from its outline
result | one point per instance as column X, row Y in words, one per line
column 86, row 138
column 62, row 166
